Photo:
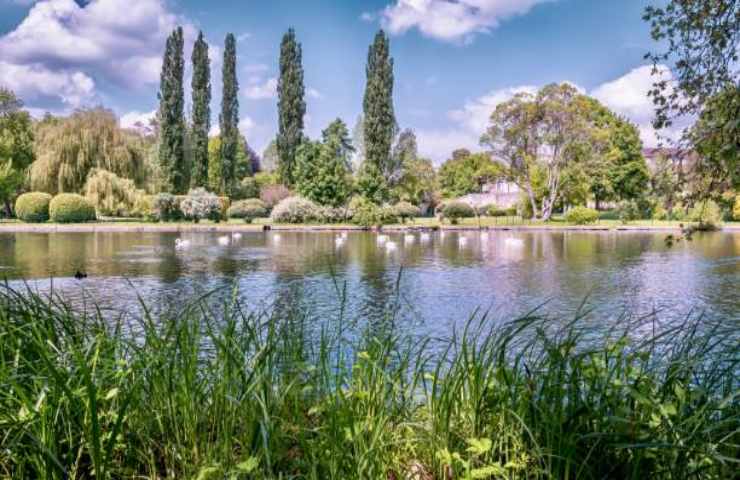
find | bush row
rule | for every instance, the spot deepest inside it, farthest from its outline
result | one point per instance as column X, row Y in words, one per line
column 37, row 207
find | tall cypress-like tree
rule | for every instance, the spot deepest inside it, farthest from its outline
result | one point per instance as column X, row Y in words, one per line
column 379, row 118
column 201, row 112
column 291, row 106
column 172, row 122
column 229, row 118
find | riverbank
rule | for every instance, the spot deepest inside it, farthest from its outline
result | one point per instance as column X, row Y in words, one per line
column 419, row 224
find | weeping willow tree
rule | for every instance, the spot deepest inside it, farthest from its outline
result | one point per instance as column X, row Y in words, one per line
column 110, row 194
column 67, row 149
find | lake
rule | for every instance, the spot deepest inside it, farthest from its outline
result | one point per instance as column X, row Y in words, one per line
column 437, row 278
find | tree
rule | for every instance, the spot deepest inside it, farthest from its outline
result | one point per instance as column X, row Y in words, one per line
column 67, row 149
column 322, row 168
column 244, row 165
column 379, row 125
column 291, row 106
column 172, row 123
column 16, row 146
column 467, row 172
column 700, row 39
column 415, row 180
column 270, row 158
column 229, row 119
column 201, row 124
column 545, row 132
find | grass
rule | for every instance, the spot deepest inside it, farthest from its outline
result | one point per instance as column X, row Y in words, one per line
column 213, row 390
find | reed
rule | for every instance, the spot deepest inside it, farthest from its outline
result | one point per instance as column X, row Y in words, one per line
column 214, row 390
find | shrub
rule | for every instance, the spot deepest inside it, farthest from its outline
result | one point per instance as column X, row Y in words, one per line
column 706, row 212
column 144, row 207
column 660, row 213
column 264, row 179
column 200, row 204
column 248, row 209
column 582, row 215
column 736, row 209
column 110, row 194
column 33, row 207
column 455, row 210
column 628, row 211
column 494, row 211
column 296, row 210
column 405, row 210
column 247, row 188
column 511, row 212
column 167, row 207
column 334, row 214
column 274, row 194
column 71, row 208
column 367, row 214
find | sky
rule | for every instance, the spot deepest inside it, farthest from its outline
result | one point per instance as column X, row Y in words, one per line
column 454, row 59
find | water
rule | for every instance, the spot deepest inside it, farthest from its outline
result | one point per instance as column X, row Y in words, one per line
column 445, row 276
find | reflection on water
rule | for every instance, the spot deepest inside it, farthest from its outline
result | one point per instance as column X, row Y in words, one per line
column 446, row 275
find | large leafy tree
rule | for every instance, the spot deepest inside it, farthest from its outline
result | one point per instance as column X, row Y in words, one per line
column 291, row 105
column 229, row 118
column 416, row 179
column 201, row 122
column 322, row 168
column 542, row 134
column 379, row 121
column 699, row 42
column 67, row 149
column 16, row 146
column 246, row 164
column 171, row 119
column 467, row 172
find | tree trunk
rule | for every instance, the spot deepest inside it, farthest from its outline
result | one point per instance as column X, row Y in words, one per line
column 8, row 209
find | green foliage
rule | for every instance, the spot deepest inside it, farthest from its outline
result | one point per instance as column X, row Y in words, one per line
column 371, row 184
column 201, row 204
column 271, row 159
column 706, row 212
column 296, row 210
column 466, row 173
column 530, row 397
column 68, row 149
column 144, row 207
column 264, row 179
column 291, row 107
column 366, row 213
column 33, row 207
column 248, row 210
column 321, row 169
column 406, row 211
column 629, row 210
column 166, row 207
column 274, row 194
column 110, row 194
column 71, row 208
column 379, row 122
column 171, row 116
column 414, row 180
column 16, row 145
column 495, row 211
column 455, row 210
column 201, row 121
column 581, row 215
column 229, row 118
column 736, row 209
column 247, row 188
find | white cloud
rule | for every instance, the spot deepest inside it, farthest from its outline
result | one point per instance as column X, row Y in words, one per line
column 92, row 42
column 134, row 119
column 475, row 114
column 368, row 17
column 261, row 91
column 452, row 20
column 313, row 93
column 37, row 83
column 246, row 124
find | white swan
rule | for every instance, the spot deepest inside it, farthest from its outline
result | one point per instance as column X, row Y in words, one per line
column 224, row 240
column 409, row 239
column 390, row 246
column 339, row 241
column 425, row 237
column 181, row 244
column 276, row 238
column 236, row 236
column 514, row 242
column 462, row 241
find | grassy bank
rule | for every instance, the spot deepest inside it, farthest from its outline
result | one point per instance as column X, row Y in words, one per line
column 226, row 393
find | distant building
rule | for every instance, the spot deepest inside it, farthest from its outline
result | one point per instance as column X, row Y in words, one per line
column 682, row 161
column 502, row 194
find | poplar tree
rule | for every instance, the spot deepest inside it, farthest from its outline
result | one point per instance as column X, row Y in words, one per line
column 379, row 119
column 201, row 85
column 291, row 106
column 229, row 118
column 172, row 123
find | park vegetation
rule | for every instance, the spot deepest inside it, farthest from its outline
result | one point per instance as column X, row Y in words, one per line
column 559, row 147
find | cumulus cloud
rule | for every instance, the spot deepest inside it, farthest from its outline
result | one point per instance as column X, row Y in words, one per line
column 313, row 93
column 91, row 42
column 452, row 20
column 261, row 91
column 35, row 83
column 136, row 120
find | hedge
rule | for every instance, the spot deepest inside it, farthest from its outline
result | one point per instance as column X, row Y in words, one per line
column 71, row 208
column 33, row 207
column 248, row 209
column 582, row 215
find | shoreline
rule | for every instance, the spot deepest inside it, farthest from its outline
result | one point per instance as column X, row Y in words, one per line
column 183, row 227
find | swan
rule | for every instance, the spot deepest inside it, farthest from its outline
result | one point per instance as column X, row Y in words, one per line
column 462, row 241
column 339, row 241
column 390, row 246
column 181, row 244
column 276, row 238
column 425, row 237
column 224, row 240
column 514, row 242
column 236, row 236
column 408, row 239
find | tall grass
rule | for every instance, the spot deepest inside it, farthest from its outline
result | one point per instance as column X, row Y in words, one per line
column 227, row 393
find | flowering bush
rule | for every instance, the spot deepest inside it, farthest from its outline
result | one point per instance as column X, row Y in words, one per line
column 296, row 210
column 166, row 207
column 200, row 204
column 274, row 194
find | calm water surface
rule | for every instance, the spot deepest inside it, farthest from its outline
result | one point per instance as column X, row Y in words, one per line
column 444, row 278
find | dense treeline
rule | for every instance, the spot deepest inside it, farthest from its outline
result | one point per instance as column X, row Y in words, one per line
column 560, row 147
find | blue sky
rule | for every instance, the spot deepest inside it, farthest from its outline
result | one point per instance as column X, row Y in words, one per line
column 453, row 60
